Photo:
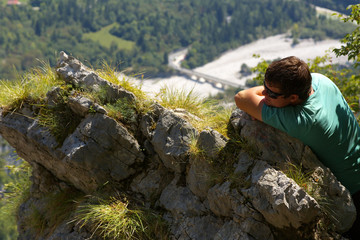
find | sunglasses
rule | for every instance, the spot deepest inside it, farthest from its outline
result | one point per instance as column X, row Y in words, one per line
column 272, row 94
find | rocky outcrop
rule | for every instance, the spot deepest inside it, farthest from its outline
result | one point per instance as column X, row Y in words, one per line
column 153, row 165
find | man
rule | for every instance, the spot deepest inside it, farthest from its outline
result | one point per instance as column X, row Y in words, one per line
column 311, row 108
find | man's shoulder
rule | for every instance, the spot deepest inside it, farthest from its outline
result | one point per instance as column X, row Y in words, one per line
column 291, row 119
column 318, row 78
column 285, row 115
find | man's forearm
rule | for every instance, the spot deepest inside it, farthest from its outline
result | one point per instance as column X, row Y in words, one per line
column 251, row 101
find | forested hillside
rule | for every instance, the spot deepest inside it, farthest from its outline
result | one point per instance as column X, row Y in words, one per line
column 140, row 34
column 338, row 5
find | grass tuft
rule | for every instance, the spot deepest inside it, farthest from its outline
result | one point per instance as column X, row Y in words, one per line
column 302, row 178
column 59, row 118
column 210, row 113
column 113, row 219
column 122, row 109
column 194, row 150
column 30, row 88
column 109, row 73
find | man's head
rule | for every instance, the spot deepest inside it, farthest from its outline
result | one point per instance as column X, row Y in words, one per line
column 289, row 78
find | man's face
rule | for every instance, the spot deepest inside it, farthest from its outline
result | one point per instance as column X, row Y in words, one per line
column 274, row 97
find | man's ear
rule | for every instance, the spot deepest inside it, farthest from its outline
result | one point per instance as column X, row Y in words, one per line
column 294, row 99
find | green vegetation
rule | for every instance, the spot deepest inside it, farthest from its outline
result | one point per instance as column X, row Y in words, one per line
column 109, row 73
column 123, row 110
column 302, row 178
column 351, row 40
column 107, row 40
column 56, row 208
column 3, row 156
column 138, row 35
column 58, row 118
column 17, row 191
column 180, row 98
column 208, row 113
column 30, row 88
column 114, row 219
column 337, row 5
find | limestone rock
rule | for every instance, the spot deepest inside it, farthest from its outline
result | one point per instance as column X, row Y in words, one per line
column 219, row 198
column 74, row 72
column 171, row 140
column 211, row 142
column 199, row 177
column 99, row 150
column 279, row 199
column 252, row 227
column 149, row 121
column 151, row 183
column 277, row 149
column 82, row 106
column 232, row 230
column 180, row 200
column 199, row 228
column 243, row 166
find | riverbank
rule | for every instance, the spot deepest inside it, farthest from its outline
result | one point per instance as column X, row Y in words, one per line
column 227, row 66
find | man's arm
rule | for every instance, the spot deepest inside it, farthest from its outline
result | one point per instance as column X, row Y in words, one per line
column 251, row 101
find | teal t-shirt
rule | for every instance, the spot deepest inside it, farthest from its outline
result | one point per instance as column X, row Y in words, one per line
column 327, row 125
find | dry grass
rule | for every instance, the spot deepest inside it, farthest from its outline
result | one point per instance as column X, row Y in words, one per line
column 31, row 87
column 113, row 219
column 210, row 113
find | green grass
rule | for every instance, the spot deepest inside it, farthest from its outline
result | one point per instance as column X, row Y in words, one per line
column 312, row 186
column 180, row 98
column 143, row 102
column 209, row 113
column 113, row 219
column 194, row 149
column 110, row 74
column 123, row 110
column 30, row 88
column 105, row 39
column 298, row 174
column 17, row 191
column 222, row 167
column 59, row 119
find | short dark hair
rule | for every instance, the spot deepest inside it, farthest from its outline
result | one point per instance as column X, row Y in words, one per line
column 291, row 75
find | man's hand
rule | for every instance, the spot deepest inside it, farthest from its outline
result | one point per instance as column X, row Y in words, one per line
column 251, row 101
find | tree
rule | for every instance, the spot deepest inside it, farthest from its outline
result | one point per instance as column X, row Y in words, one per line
column 245, row 70
column 350, row 86
column 351, row 40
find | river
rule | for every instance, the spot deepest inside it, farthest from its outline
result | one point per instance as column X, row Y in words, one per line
column 227, row 66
